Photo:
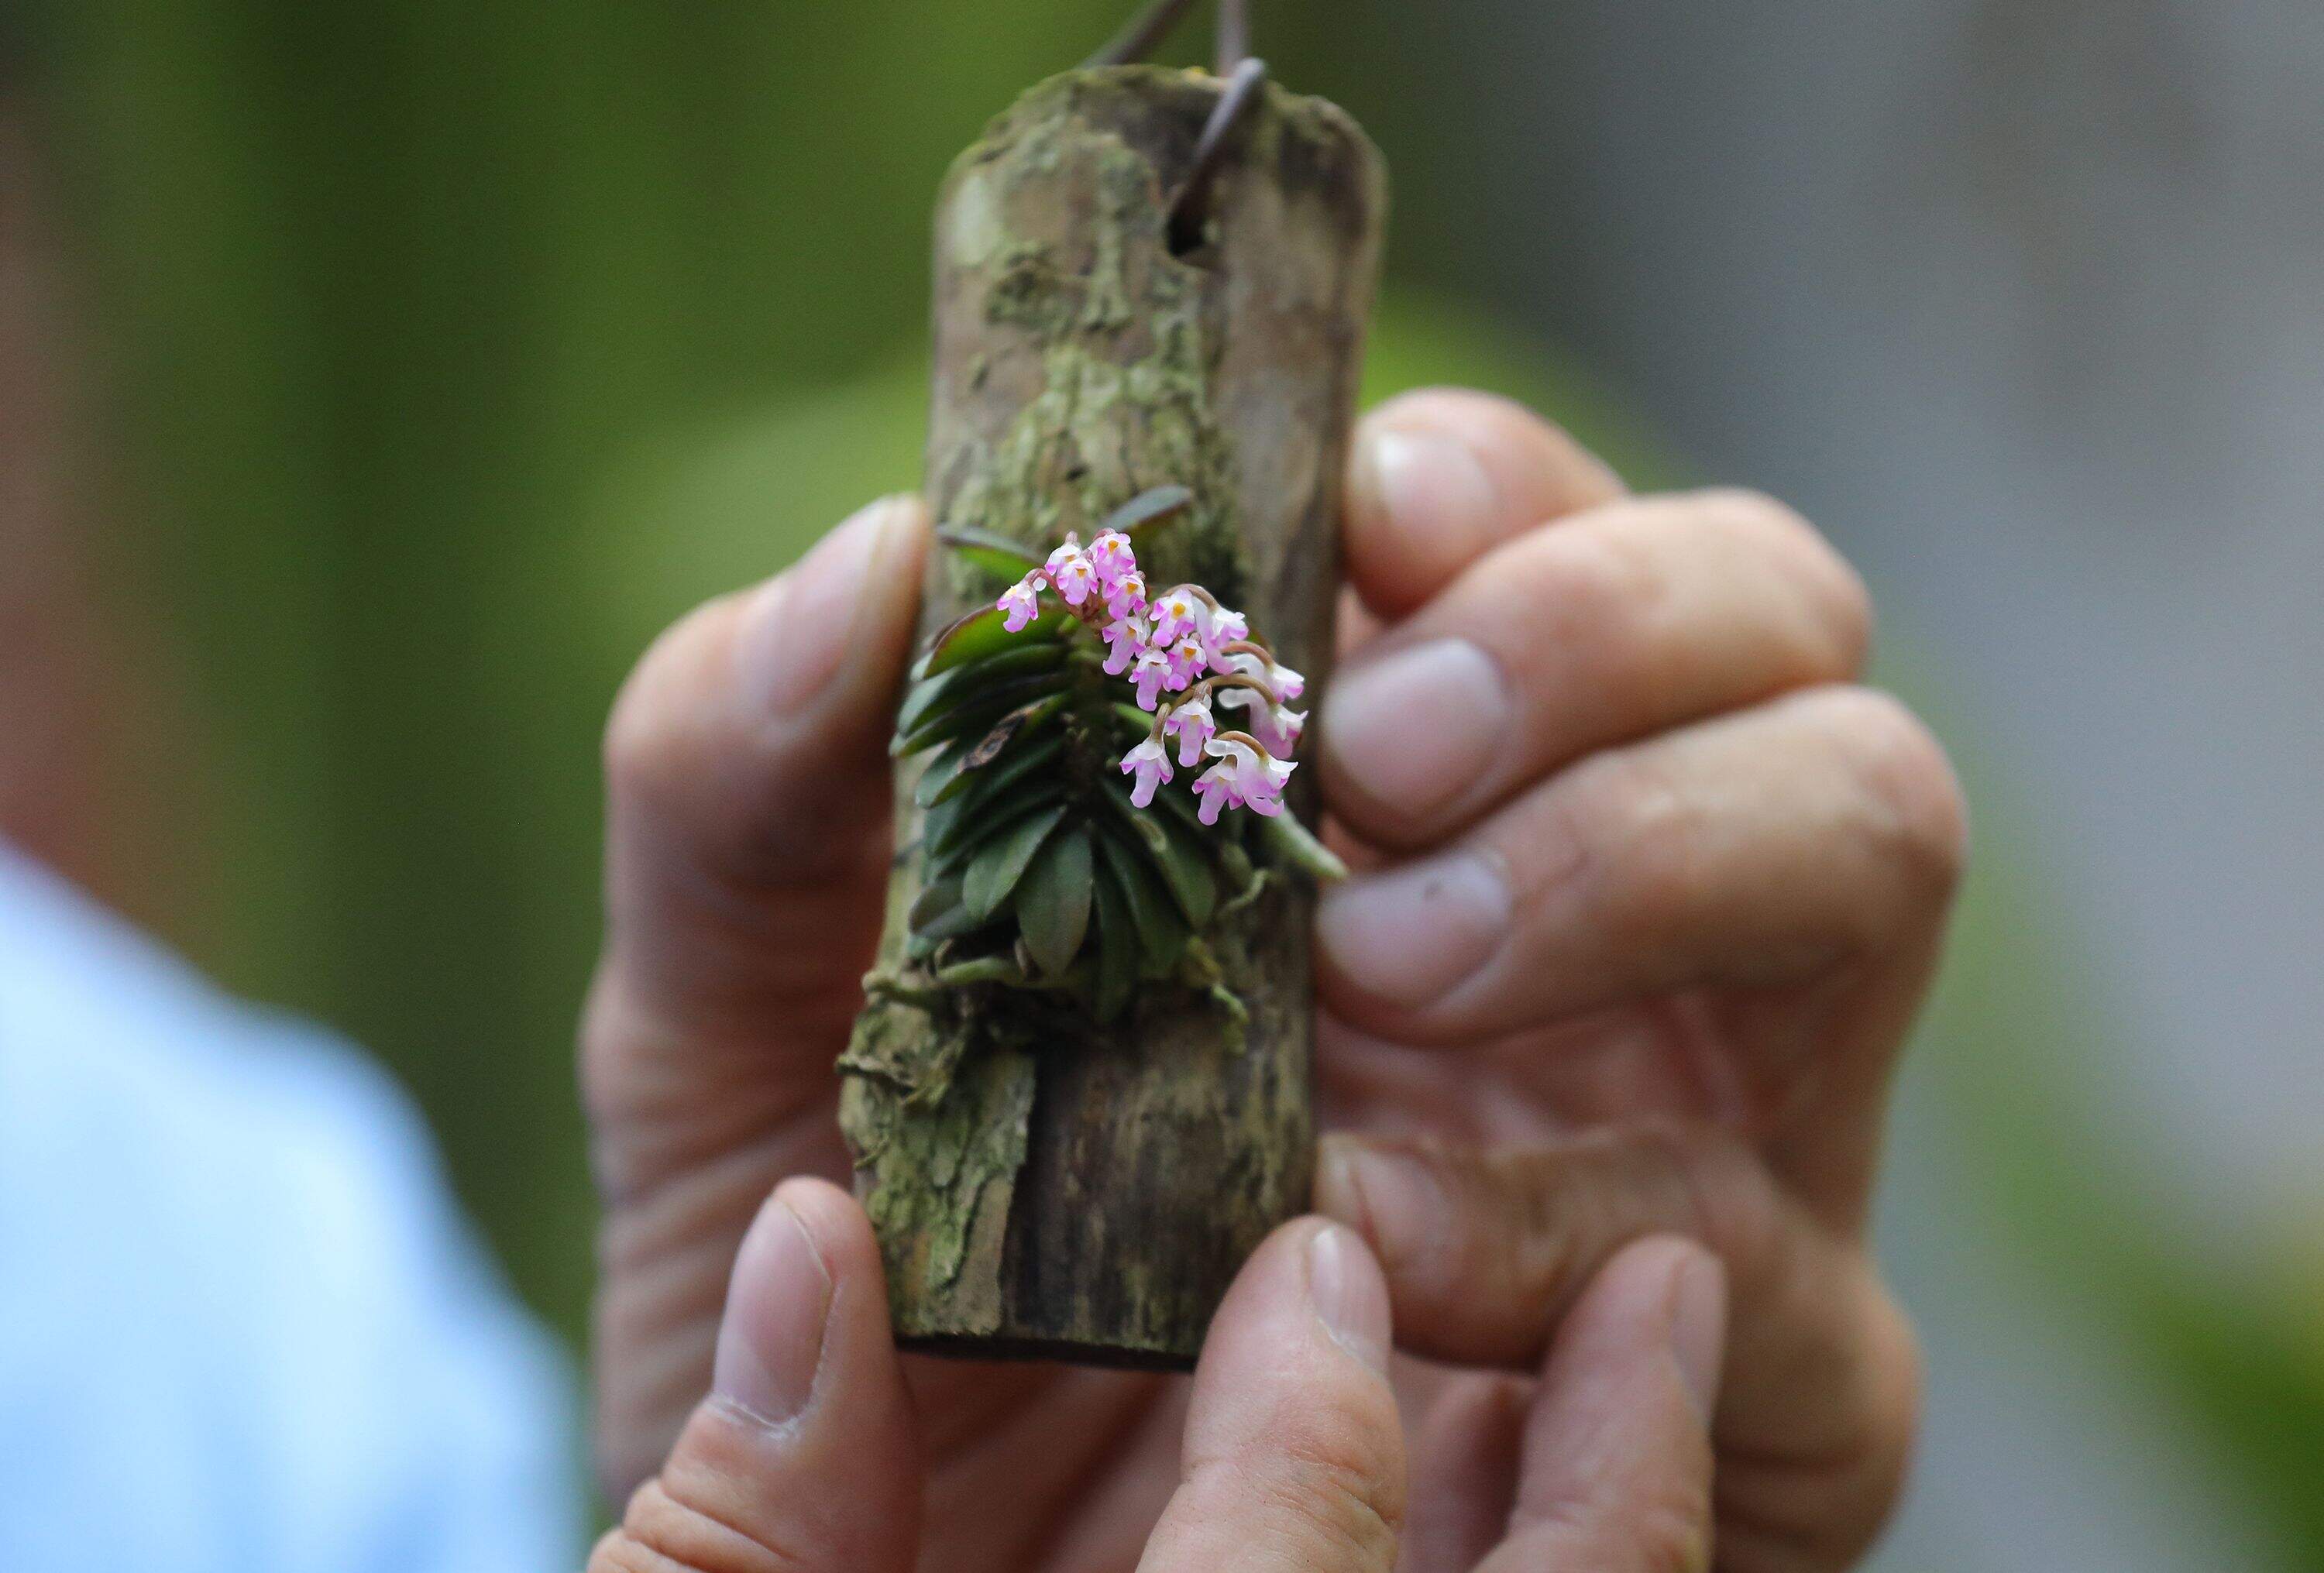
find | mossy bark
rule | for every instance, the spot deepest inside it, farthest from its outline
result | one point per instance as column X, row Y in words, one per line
column 1062, row 1189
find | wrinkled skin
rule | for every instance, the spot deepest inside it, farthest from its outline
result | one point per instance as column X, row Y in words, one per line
column 1649, row 895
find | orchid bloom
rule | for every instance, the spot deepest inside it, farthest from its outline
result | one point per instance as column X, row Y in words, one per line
column 1177, row 613
column 1277, row 727
column 1125, row 641
column 1112, row 557
column 1125, row 596
column 1192, row 725
column 1075, row 579
column 1048, row 572
column 1022, row 602
column 1150, row 673
column 1224, row 628
column 1151, row 766
column 1244, row 777
column 1186, row 661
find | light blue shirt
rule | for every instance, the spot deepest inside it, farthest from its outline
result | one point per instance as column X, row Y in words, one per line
column 242, row 1326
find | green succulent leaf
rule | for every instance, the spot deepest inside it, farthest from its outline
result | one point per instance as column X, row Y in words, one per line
column 1006, row 768
column 982, row 633
column 1161, row 932
column 974, row 826
column 1177, row 856
column 1039, row 697
column 931, row 695
column 1052, row 901
column 1005, row 559
column 1186, row 870
column 993, row 872
column 1117, row 948
column 942, row 772
column 1147, row 508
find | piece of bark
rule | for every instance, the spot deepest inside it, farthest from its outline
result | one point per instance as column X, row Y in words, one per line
column 1087, row 1192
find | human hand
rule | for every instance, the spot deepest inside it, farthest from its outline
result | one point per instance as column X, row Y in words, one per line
column 1670, row 1052
column 805, row 1456
column 1657, row 893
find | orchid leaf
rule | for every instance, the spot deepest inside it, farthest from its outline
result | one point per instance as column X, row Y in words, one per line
column 930, row 694
column 1149, row 508
column 1118, row 947
column 1161, row 932
column 1052, row 901
column 993, row 872
column 1005, row 559
column 982, row 633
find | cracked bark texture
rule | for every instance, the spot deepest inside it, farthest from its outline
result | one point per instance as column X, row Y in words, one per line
column 1043, row 1186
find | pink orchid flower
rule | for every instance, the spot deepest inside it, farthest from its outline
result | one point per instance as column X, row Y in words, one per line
column 1022, row 602
column 1192, row 725
column 1150, row 674
column 1125, row 596
column 1178, row 613
column 1112, row 557
column 1125, row 641
column 1150, row 765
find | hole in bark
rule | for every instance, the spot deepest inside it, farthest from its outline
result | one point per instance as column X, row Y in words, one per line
column 1189, row 234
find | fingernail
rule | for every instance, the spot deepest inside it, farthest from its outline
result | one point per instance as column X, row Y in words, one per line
column 1388, row 1195
column 802, row 621
column 1430, row 491
column 1350, row 1297
column 1698, row 1328
column 770, row 1339
column 1414, row 727
column 1409, row 934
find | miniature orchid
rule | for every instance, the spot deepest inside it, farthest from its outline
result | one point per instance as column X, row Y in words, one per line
column 1244, row 777
column 1152, row 674
column 1126, row 595
column 1021, row 602
column 1192, row 725
column 1112, row 557
column 1076, row 580
column 1125, row 641
column 1151, row 766
column 1177, row 614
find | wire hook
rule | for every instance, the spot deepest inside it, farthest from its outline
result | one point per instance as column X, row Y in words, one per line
column 1234, row 105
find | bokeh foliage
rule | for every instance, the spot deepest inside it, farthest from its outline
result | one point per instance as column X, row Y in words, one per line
column 450, row 347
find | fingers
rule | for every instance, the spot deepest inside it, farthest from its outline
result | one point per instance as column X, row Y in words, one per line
column 1763, row 848
column 746, row 834
column 1438, row 477
column 802, row 1459
column 1485, row 1252
column 1617, row 1465
column 1621, row 622
column 1294, row 1457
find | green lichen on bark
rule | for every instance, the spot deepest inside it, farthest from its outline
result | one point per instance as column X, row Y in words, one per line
column 1038, row 1181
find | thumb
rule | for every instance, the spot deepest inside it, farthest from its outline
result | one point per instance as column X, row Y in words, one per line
column 1294, row 1457
column 804, row 1457
column 744, row 781
column 746, row 851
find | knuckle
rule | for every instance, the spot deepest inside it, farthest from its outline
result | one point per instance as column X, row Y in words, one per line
column 1340, row 1477
column 1841, row 600
column 1923, row 816
column 1641, row 869
column 660, row 1533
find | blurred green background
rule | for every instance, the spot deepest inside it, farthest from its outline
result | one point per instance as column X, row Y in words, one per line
column 444, row 351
